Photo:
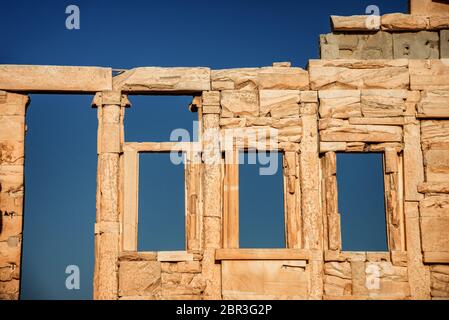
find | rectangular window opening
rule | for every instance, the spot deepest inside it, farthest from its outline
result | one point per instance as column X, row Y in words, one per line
column 261, row 200
column 361, row 201
column 161, row 204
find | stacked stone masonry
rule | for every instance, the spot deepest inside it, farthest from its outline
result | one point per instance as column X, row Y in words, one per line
column 384, row 91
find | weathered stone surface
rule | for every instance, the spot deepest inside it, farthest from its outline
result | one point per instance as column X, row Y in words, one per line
column 357, row 46
column 429, row 7
column 439, row 21
column 434, row 131
column 245, row 279
column 416, row 45
column 182, row 267
column 337, row 286
column 435, row 223
column 283, row 78
column 383, row 103
column 440, row 281
column 393, row 121
column 365, row 133
column 279, row 103
column 429, row 74
column 360, row 74
column 413, row 162
column 400, row 21
column 309, row 96
column 355, row 23
column 331, row 123
column 9, row 290
column 332, row 146
column 211, row 98
column 434, row 104
column 433, row 187
column 138, row 256
column 139, row 277
column 12, row 127
column 444, row 44
column 341, row 104
column 11, row 179
column 436, row 165
column 55, row 78
column 285, row 64
column 338, row 269
column 226, row 123
column 235, row 79
column 12, row 152
column 239, row 103
column 155, row 79
column 11, row 225
column 176, row 284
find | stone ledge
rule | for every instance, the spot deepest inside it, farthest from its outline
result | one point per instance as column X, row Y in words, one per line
column 390, row 22
column 262, row 254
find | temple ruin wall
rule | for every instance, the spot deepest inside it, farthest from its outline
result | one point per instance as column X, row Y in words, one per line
column 373, row 90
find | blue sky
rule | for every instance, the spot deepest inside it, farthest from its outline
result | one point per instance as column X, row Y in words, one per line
column 61, row 141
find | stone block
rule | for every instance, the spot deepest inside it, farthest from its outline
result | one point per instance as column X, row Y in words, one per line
column 434, row 104
column 235, row 79
column 11, row 179
column 309, row 96
column 429, row 74
column 439, row 281
column 279, row 103
column 10, row 251
column 12, row 152
column 9, row 290
column 10, row 225
column 338, row 269
column 434, row 132
column 182, row 284
column 355, row 23
column 436, row 165
column 55, row 78
column 429, row 7
column 12, row 128
column 359, row 74
column 239, row 103
column 403, row 22
column 189, row 267
column 283, row 78
column 336, row 286
column 357, row 46
column 211, row 98
column 247, row 279
column 439, row 22
column 383, row 103
column 444, row 44
column 139, row 278
column 416, row 45
column 434, row 212
column 362, row 133
column 340, row 104
column 155, row 79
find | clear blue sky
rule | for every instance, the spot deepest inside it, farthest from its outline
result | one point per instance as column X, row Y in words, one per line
column 61, row 141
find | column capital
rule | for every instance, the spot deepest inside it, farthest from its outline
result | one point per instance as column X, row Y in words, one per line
column 110, row 98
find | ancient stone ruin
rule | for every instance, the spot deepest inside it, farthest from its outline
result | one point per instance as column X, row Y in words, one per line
column 381, row 85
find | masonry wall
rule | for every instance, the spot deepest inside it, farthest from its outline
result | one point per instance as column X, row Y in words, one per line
column 373, row 90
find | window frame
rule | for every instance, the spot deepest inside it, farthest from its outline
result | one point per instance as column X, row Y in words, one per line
column 393, row 174
column 130, row 174
column 291, row 198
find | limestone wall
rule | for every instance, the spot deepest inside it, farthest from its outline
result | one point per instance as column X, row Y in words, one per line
column 383, row 90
